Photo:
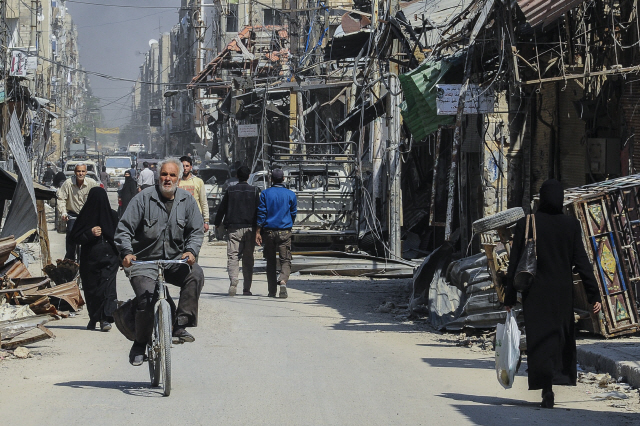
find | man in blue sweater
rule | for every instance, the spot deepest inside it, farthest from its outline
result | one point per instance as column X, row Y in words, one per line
column 276, row 214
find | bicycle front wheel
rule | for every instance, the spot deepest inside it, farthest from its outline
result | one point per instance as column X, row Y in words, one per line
column 164, row 328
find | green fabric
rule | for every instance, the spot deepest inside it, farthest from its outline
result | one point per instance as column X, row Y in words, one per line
column 419, row 109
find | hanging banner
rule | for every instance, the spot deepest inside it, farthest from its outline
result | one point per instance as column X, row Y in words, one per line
column 108, row 131
column 21, row 63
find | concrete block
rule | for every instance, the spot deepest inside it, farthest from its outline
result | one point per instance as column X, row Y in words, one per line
column 619, row 358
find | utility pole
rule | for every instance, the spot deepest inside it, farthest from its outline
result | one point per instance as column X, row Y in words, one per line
column 393, row 127
column 377, row 147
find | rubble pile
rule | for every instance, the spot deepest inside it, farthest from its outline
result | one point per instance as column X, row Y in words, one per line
column 603, row 387
column 27, row 303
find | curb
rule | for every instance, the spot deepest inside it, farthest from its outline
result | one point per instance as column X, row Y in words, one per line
column 620, row 360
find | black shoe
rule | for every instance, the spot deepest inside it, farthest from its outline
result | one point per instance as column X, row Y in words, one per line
column 271, row 295
column 91, row 325
column 547, row 399
column 105, row 326
column 183, row 335
column 246, row 293
column 136, row 354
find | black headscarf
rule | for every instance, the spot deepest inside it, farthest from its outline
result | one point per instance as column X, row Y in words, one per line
column 97, row 211
column 551, row 197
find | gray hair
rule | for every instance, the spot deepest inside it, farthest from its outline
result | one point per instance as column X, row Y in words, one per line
column 175, row 161
column 78, row 165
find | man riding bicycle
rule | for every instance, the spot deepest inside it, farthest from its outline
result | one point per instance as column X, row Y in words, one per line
column 162, row 222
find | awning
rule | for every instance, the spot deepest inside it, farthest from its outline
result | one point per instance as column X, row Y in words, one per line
column 8, row 182
column 545, row 11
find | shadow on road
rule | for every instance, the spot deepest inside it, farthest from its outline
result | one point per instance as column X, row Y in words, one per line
column 485, row 364
column 491, row 410
column 356, row 301
column 130, row 388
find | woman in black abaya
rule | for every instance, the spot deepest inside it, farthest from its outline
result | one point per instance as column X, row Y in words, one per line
column 128, row 191
column 94, row 230
column 548, row 305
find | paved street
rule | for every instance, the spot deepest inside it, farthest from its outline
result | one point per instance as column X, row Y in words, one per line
column 321, row 357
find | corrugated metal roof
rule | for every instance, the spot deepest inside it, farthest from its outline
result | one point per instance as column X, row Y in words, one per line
column 439, row 12
column 545, row 11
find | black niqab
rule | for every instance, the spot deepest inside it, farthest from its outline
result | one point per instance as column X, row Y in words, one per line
column 97, row 211
column 551, row 197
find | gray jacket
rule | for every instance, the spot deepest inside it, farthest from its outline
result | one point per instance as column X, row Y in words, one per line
column 148, row 232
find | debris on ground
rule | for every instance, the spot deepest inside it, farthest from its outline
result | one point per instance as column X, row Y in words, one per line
column 21, row 352
column 27, row 303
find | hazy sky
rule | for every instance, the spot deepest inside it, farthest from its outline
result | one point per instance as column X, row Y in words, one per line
column 113, row 41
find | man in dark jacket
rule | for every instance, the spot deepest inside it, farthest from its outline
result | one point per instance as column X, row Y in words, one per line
column 238, row 208
column 276, row 215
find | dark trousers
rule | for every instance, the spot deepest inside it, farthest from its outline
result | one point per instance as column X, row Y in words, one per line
column 280, row 241
column 70, row 245
column 189, row 279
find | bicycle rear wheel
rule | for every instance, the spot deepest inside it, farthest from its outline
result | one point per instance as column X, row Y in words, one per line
column 164, row 331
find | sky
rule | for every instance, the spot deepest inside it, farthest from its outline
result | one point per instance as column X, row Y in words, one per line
column 113, row 40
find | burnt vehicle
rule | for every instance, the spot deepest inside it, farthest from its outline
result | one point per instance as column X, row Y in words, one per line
column 327, row 216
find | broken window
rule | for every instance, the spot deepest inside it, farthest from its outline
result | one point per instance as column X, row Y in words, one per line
column 272, row 17
column 232, row 18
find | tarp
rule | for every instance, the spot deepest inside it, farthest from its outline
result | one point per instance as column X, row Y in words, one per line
column 419, row 109
column 23, row 215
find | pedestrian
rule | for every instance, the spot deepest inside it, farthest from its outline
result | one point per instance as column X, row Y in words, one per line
column 59, row 179
column 71, row 197
column 239, row 212
column 276, row 215
column 548, row 304
column 162, row 223
column 48, row 176
column 104, row 177
column 154, row 169
column 195, row 186
column 127, row 192
column 94, row 231
column 145, row 179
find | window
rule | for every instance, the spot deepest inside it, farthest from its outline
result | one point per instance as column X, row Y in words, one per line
column 232, row 18
column 272, row 17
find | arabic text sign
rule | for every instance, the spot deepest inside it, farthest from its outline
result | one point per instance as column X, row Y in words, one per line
column 247, row 130
column 21, row 63
column 477, row 100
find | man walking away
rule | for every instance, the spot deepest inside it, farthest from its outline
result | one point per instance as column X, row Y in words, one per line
column 194, row 186
column 145, row 180
column 104, row 177
column 71, row 198
column 239, row 209
column 276, row 215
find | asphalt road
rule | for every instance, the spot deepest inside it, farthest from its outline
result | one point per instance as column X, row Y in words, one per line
column 321, row 357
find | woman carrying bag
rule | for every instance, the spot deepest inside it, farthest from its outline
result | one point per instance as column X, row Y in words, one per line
column 93, row 231
column 548, row 303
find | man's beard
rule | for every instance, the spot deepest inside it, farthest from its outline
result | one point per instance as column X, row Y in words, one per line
column 169, row 192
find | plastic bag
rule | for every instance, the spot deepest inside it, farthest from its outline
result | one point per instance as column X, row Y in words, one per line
column 507, row 350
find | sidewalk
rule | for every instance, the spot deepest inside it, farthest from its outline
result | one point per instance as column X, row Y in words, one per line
column 620, row 357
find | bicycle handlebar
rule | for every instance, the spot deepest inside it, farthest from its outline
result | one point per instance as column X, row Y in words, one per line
column 157, row 262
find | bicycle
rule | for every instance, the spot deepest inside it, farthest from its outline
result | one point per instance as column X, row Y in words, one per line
column 159, row 350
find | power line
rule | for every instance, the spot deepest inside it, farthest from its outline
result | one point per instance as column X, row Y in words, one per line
column 122, row 5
